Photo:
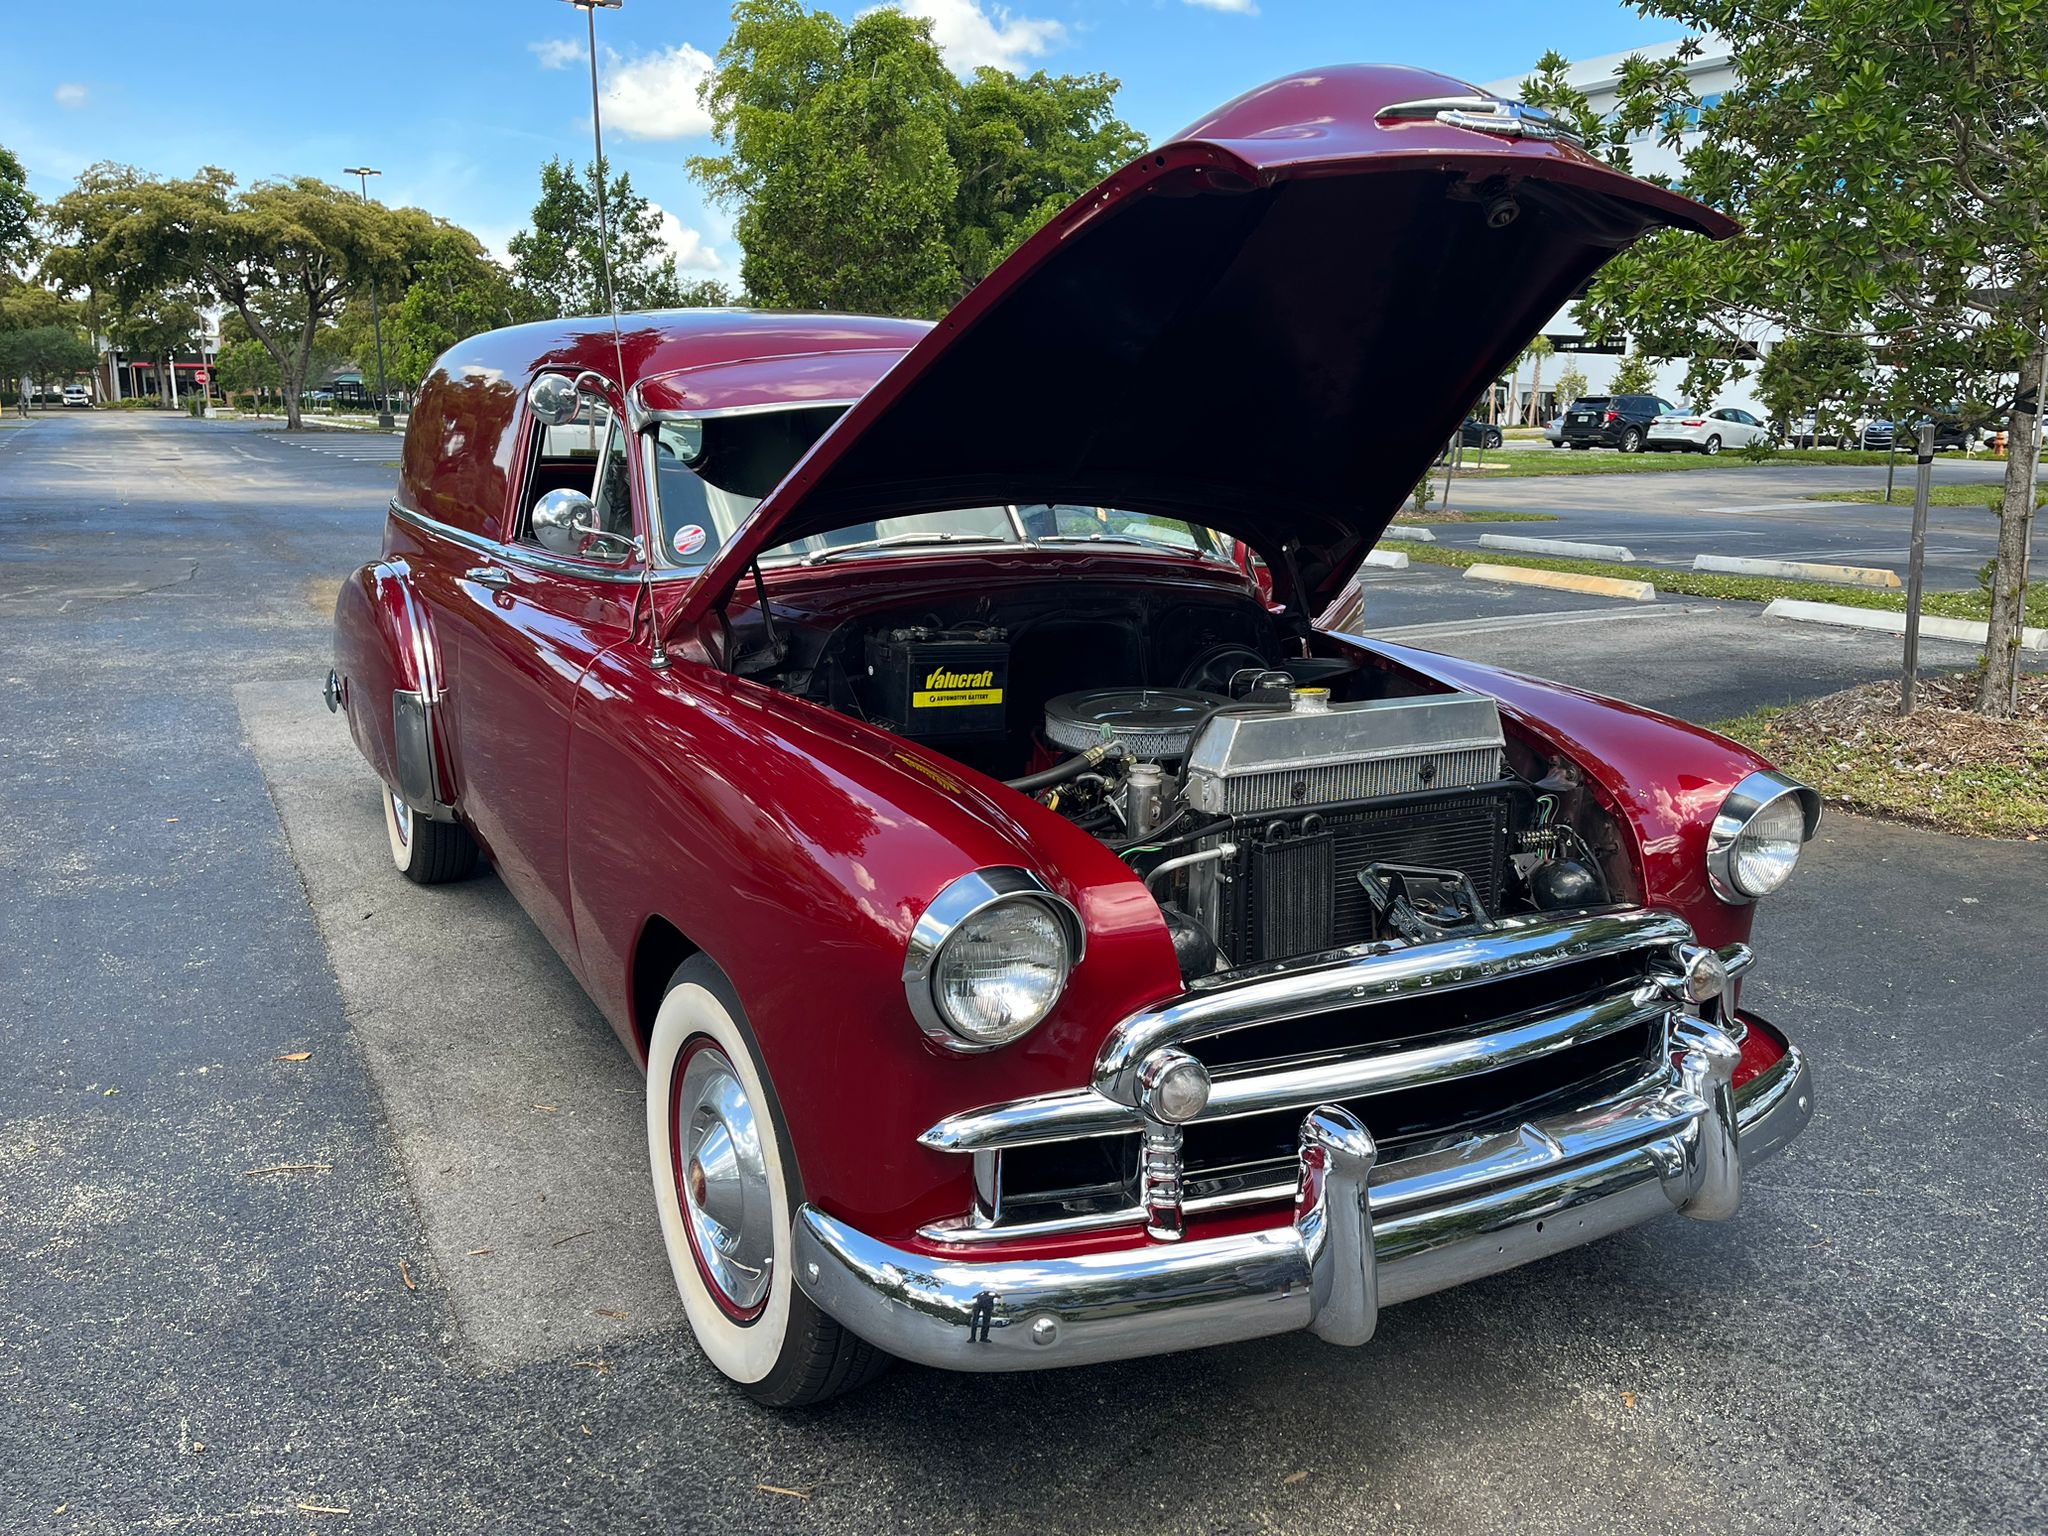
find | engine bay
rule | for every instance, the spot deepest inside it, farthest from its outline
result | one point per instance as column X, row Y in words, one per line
column 1279, row 797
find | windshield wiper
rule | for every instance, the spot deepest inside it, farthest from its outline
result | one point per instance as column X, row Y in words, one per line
column 1117, row 538
column 899, row 541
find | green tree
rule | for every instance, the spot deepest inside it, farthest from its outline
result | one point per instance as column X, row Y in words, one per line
column 1535, row 352
column 1634, row 375
column 1889, row 159
column 246, row 368
column 18, row 242
column 1024, row 149
column 1827, row 375
column 1571, row 383
column 284, row 255
column 557, row 263
column 43, row 355
column 158, row 326
column 864, row 175
column 456, row 290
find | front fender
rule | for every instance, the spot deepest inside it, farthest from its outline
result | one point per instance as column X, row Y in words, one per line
column 390, row 684
column 798, row 847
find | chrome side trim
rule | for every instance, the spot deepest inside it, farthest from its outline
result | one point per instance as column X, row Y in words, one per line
column 528, row 556
column 1372, row 973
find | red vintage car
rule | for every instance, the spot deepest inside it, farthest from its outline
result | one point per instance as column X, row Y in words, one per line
column 1046, row 947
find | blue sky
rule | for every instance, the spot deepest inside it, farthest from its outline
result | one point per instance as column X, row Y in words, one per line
column 458, row 101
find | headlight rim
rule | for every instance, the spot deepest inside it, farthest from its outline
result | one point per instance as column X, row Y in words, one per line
column 964, row 898
column 1754, row 794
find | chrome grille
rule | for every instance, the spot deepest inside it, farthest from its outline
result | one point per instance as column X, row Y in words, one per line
column 1433, row 1047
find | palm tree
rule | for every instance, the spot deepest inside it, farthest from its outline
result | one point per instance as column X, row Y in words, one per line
column 1536, row 351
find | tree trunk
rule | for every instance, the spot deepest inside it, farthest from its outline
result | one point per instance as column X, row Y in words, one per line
column 1998, row 691
column 1530, row 411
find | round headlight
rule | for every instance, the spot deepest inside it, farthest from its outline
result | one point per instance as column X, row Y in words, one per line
column 989, row 959
column 1755, row 840
column 1001, row 971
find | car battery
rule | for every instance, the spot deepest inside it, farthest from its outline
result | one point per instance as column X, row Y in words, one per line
column 926, row 683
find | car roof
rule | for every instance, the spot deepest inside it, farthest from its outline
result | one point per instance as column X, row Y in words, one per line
column 660, row 343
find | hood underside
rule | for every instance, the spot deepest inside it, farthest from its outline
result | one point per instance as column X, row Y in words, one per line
column 1269, row 326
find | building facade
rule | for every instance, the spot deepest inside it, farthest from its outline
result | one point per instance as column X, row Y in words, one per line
column 1710, row 73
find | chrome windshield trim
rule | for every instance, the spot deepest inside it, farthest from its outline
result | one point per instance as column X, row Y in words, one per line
column 526, row 555
column 1529, row 1037
column 1373, row 973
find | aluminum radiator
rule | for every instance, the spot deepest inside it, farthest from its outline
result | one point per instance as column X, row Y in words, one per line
column 1284, row 760
column 1317, row 795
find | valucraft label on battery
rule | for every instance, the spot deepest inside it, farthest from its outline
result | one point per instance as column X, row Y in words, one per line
column 943, row 687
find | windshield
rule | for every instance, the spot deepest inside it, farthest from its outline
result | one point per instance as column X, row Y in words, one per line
column 709, row 473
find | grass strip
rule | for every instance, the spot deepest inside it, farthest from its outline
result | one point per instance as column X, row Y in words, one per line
column 1989, row 495
column 1476, row 515
column 1607, row 461
column 1974, row 604
column 1942, row 767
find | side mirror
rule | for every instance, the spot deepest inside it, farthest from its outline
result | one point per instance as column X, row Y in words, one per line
column 553, row 398
column 565, row 523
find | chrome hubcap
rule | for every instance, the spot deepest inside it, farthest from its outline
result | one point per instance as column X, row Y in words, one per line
column 722, row 1180
column 401, row 818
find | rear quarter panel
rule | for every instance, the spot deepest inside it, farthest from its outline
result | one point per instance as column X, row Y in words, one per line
column 383, row 642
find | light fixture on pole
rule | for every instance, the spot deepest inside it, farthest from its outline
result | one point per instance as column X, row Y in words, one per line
column 363, row 173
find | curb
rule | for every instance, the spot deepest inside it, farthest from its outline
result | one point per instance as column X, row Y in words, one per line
column 1388, row 559
column 1800, row 570
column 1969, row 631
column 1566, row 581
column 1563, row 547
column 1408, row 531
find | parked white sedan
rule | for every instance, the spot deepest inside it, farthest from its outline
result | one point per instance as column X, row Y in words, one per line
column 1705, row 431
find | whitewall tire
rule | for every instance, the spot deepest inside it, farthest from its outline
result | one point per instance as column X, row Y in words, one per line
column 427, row 852
column 726, row 1189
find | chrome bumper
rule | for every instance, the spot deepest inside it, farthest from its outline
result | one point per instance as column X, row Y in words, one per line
column 1351, row 1248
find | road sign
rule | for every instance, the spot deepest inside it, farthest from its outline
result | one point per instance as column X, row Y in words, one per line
column 199, row 377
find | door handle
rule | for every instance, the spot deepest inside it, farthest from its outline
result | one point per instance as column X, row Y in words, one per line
column 496, row 577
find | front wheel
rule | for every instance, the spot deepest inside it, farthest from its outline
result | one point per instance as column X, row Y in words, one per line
column 1494, row 440
column 427, row 852
column 726, row 1188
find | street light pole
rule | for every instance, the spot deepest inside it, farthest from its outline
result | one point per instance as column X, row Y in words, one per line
column 363, row 173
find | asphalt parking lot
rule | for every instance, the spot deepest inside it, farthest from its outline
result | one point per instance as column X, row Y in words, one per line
column 321, row 1192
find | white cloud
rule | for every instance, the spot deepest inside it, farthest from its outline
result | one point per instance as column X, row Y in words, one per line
column 1236, row 7
column 970, row 35
column 557, row 52
column 691, row 253
column 654, row 95
column 71, row 95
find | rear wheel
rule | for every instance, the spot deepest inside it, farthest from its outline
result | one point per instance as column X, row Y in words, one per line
column 1632, row 441
column 427, row 852
column 727, row 1189
column 1713, row 446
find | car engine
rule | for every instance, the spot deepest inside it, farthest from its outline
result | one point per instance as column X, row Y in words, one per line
column 1283, row 823
column 1276, row 804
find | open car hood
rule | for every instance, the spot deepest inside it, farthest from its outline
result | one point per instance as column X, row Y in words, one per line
column 1269, row 326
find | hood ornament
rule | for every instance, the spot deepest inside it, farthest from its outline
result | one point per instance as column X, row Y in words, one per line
column 1484, row 114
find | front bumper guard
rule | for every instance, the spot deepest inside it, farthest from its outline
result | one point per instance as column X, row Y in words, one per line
column 1332, row 1267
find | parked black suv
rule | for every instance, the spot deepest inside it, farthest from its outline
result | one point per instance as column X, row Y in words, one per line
column 1949, row 432
column 1612, row 421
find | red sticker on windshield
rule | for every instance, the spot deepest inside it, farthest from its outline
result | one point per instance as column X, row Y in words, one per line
column 689, row 539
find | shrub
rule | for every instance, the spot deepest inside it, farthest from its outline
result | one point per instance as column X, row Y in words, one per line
column 1758, row 450
column 1423, row 494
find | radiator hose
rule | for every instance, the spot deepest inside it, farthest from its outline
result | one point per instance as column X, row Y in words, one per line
column 1060, row 772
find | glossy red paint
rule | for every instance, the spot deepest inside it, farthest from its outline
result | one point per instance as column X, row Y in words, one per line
column 1235, row 280
column 796, row 846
